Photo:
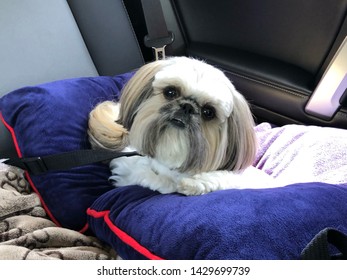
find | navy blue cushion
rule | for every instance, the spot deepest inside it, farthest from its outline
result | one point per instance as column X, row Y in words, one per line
column 52, row 118
column 229, row 224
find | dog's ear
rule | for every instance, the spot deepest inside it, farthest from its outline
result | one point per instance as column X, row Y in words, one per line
column 242, row 141
column 103, row 130
column 137, row 90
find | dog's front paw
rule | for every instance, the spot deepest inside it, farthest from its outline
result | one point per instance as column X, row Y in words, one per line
column 124, row 170
column 205, row 182
column 196, row 185
column 189, row 186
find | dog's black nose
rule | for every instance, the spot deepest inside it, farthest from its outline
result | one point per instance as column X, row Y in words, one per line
column 187, row 108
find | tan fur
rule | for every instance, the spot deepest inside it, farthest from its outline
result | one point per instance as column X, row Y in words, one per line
column 106, row 121
column 135, row 87
column 241, row 135
column 232, row 145
column 104, row 132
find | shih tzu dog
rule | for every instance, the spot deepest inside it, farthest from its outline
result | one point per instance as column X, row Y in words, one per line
column 193, row 130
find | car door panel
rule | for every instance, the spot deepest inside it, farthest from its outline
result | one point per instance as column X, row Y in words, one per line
column 275, row 52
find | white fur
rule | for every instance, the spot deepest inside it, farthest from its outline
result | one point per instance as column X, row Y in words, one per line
column 205, row 83
column 148, row 172
column 172, row 149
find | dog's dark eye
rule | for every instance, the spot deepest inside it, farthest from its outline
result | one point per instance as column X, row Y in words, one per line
column 208, row 112
column 171, row 93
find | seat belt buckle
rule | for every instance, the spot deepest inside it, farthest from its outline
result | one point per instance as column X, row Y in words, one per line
column 159, row 53
column 159, row 44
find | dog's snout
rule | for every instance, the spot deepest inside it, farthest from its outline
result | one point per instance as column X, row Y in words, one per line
column 187, row 108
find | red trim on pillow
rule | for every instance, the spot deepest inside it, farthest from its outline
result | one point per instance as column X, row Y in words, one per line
column 14, row 138
column 41, row 199
column 123, row 236
column 31, row 183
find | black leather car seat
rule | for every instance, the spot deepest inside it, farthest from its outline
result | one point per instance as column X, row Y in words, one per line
column 275, row 52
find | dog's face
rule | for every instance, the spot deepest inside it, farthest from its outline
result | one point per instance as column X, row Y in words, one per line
column 188, row 115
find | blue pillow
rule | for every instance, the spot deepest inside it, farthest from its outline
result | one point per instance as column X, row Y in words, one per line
column 52, row 118
column 230, row 224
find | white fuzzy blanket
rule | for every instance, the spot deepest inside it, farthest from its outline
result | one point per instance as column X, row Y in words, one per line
column 298, row 153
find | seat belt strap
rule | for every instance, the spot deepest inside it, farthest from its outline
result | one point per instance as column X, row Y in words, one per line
column 158, row 35
column 319, row 248
column 63, row 161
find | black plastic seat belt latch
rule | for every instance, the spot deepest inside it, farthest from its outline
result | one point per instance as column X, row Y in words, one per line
column 158, row 35
column 159, row 44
